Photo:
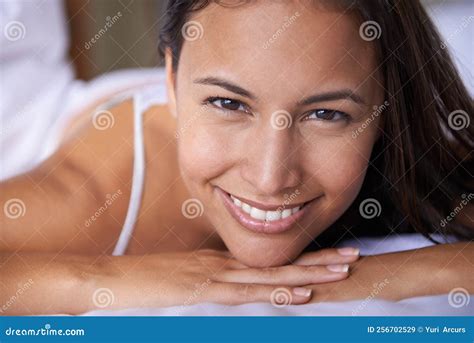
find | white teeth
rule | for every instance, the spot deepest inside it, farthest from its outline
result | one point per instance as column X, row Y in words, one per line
column 236, row 201
column 295, row 209
column 262, row 214
column 257, row 214
column 246, row 207
column 285, row 213
column 272, row 215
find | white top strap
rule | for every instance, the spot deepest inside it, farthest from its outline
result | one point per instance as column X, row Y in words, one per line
column 142, row 100
column 137, row 181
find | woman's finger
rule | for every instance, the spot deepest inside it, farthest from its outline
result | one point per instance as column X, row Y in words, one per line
column 328, row 256
column 291, row 275
column 241, row 293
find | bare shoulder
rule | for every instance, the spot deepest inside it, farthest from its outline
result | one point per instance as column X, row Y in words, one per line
column 77, row 199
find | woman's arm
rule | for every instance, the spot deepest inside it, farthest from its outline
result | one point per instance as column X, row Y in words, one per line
column 395, row 276
column 35, row 284
column 73, row 284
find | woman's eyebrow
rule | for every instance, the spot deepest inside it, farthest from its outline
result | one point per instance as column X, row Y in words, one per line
column 231, row 87
column 333, row 95
column 327, row 96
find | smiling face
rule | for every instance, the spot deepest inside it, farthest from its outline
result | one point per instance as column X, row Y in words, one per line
column 268, row 100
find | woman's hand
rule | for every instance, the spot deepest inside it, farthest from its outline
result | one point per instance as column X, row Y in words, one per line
column 176, row 279
column 395, row 276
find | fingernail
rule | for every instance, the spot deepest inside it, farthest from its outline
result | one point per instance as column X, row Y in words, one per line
column 348, row 251
column 302, row 292
column 338, row 268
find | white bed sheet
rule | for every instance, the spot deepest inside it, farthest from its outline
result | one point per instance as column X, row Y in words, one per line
column 419, row 306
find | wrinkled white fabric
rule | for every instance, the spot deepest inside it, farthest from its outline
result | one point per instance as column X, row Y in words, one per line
column 419, row 306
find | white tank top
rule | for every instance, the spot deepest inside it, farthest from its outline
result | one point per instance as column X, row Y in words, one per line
column 142, row 100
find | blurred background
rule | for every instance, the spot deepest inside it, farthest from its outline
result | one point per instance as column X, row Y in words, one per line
column 59, row 56
column 131, row 41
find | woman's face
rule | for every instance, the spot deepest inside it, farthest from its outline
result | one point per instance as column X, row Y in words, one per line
column 268, row 96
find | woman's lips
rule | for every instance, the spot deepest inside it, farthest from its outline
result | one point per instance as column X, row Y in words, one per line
column 257, row 225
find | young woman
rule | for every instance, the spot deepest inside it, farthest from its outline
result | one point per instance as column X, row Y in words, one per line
column 287, row 122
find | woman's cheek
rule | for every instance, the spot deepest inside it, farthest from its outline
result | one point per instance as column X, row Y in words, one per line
column 203, row 153
column 340, row 172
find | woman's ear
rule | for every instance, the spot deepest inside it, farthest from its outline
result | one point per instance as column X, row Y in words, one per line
column 170, row 81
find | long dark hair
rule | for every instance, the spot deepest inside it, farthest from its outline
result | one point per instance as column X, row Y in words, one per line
column 422, row 167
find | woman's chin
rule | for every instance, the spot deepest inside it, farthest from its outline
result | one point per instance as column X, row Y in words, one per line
column 261, row 257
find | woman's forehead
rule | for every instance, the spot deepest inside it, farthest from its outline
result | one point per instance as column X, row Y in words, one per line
column 272, row 42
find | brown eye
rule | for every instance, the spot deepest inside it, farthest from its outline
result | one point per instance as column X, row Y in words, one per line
column 329, row 115
column 228, row 104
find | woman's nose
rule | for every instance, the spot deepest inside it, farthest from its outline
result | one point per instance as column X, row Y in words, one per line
column 272, row 165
